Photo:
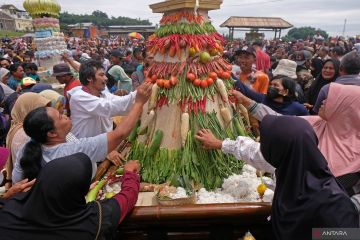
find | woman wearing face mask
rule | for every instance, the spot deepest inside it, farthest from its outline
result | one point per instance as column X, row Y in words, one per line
column 280, row 96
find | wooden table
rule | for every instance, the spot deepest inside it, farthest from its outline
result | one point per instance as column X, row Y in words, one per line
column 211, row 221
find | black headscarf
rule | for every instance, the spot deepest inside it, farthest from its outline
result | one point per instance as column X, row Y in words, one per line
column 55, row 207
column 320, row 82
column 307, row 195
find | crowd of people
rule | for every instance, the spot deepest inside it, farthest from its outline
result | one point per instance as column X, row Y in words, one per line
column 51, row 143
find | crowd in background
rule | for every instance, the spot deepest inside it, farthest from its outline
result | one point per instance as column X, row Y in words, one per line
column 104, row 79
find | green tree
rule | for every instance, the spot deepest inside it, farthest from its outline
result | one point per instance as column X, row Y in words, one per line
column 304, row 33
column 99, row 18
column 99, row 14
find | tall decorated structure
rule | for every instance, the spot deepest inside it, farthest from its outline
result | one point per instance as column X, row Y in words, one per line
column 190, row 92
column 49, row 40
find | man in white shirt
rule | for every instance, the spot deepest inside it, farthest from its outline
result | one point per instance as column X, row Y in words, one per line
column 92, row 106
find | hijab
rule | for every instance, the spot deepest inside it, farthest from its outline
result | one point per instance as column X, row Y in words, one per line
column 23, row 105
column 320, row 81
column 307, row 195
column 7, row 90
column 55, row 207
column 3, row 73
column 339, row 133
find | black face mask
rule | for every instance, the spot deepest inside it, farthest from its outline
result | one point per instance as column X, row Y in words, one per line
column 273, row 93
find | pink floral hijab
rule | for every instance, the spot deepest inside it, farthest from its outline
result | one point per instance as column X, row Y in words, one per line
column 339, row 134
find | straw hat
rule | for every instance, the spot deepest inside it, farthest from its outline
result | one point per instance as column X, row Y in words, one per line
column 287, row 68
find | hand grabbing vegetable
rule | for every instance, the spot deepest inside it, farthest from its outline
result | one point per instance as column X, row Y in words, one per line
column 93, row 185
column 132, row 166
column 208, row 140
column 143, row 93
column 115, row 158
column 240, row 98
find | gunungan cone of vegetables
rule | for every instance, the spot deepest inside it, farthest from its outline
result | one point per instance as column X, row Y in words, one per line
column 190, row 92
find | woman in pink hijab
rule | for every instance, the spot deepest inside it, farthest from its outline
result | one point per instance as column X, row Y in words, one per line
column 337, row 128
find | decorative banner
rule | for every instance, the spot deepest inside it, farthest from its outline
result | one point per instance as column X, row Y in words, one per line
column 43, row 34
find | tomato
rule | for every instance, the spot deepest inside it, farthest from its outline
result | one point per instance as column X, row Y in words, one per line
column 204, row 84
column 226, row 75
column 213, row 75
column 219, row 73
column 160, row 82
column 154, row 78
column 173, row 80
column 197, row 82
column 210, row 81
column 167, row 84
column 191, row 77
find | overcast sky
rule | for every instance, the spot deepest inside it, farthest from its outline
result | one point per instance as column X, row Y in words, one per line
column 328, row 15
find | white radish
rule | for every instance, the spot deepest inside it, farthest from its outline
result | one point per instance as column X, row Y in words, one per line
column 153, row 97
column 226, row 115
column 222, row 90
column 245, row 114
column 146, row 123
column 185, row 126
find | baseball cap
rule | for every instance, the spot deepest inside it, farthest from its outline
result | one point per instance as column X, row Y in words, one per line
column 61, row 69
column 246, row 50
column 27, row 81
column 302, row 56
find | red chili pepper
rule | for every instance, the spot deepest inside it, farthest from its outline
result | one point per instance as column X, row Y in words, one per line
column 190, row 105
column 196, row 108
